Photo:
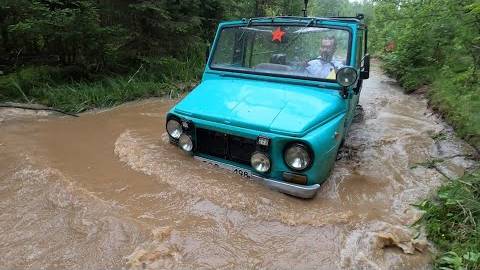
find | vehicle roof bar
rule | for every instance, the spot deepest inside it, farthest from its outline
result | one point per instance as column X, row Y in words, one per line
column 357, row 18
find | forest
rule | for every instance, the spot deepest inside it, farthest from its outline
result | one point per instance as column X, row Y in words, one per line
column 77, row 55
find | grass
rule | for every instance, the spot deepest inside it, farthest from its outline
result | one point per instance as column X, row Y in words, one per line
column 452, row 222
column 78, row 97
column 72, row 91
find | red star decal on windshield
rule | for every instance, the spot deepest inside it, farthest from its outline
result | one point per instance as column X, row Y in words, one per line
column 277, row 35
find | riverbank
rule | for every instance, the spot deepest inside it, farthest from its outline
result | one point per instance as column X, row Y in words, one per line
column 457, row 98
column 69, row 91
column 454, row 95
column 452, row 215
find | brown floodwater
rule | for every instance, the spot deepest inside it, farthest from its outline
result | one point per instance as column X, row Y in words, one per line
column 107, row 191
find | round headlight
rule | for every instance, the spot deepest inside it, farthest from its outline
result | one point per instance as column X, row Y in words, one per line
column 346, row 76
column 174, row 128
column 297, row 157
column 185, row 142
column 260, row 162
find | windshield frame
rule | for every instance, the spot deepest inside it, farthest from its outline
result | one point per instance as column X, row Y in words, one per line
column 278, row 75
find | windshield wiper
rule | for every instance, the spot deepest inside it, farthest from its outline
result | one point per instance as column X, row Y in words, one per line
column 309, row 24
column 245, row 29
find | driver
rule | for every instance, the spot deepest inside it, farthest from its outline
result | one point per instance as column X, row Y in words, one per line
column 324, row 66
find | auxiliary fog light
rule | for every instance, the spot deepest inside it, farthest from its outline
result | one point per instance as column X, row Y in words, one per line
column 174, row 129
column 185, row 142
column 260, row 162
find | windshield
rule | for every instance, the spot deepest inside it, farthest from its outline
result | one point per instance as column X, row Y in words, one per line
column 306, row 52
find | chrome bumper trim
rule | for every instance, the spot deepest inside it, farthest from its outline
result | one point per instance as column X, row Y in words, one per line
column 301, row 191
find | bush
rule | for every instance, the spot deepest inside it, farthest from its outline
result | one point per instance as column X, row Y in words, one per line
column 172, row 69
column 415, row 78
column 18, row 86
column 457, row 97
column 452, row 221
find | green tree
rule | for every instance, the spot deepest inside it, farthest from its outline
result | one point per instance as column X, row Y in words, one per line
column 69, row 30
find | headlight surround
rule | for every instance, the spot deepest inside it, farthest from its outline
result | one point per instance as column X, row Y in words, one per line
column 260, row 162
column 174, row 128
column 347, row 76
column 186, row 143
column 297, row 157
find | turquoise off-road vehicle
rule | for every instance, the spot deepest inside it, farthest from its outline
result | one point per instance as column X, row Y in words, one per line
column 276, row 99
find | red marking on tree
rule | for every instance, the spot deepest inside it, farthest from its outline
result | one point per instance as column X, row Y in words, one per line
column 390, row 47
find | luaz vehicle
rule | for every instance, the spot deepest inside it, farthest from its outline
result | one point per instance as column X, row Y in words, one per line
column 276, row 99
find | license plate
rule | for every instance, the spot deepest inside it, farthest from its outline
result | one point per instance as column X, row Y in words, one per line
column 236, row 170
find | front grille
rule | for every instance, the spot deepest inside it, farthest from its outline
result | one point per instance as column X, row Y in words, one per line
column 226, row 146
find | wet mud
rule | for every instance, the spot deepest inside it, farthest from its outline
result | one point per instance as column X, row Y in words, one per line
column 107, row 191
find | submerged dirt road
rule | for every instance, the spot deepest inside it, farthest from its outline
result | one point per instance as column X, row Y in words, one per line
column 107, row 191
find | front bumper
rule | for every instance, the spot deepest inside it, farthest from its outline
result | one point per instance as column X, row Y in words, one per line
column 296, row 190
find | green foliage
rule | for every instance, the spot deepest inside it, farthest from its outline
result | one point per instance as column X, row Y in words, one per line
column 19, row 83
column 78, row 97
column 50, row 86
column 168, row 68
column 438, row 43
column 452, row 221
column 168, row 27
column 69, row 31
column 458, row 98
column 328, row 8
column 425, row 33
column 85, row 53
column 81, row 96
column 105, row 36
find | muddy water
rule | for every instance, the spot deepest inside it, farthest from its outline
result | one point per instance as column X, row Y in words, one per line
column 107, row 191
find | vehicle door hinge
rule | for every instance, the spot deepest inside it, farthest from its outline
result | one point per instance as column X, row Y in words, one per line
column 344, row 92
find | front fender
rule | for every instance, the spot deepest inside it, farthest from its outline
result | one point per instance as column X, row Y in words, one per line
column 324, row 142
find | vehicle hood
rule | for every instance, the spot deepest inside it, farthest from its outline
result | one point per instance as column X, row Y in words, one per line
column 267, row 106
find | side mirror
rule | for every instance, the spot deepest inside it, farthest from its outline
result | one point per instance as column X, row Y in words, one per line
column 365, row 72
column 207, row 53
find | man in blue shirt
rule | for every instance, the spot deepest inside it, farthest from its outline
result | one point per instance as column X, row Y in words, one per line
column 325, row 66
